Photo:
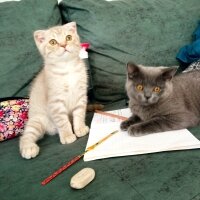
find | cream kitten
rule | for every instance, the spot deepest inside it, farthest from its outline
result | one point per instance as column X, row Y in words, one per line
column 58, row 95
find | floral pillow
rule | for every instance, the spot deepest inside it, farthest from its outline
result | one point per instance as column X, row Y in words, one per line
column 13, row 115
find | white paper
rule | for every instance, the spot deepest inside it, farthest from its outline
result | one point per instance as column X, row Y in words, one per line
column 122, row 144
column 101, row 120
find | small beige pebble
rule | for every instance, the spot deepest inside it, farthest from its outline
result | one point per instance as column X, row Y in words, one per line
column 82, row 178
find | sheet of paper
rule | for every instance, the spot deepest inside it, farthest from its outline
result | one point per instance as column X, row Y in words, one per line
column 122, row 144
column 100, row 119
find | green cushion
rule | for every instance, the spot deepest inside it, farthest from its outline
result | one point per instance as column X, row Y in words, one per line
column 147, row 32
column 19, row 58
column 159, row 176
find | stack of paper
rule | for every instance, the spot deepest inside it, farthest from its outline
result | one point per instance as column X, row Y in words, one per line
column 122, row 144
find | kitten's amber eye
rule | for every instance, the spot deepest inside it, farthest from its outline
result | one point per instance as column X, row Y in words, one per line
column 157, row 89
column 68, row 38
column 139, row 87
column 53, row 42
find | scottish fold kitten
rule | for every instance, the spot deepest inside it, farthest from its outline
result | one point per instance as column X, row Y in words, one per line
column 58, row 96
column 160, row 101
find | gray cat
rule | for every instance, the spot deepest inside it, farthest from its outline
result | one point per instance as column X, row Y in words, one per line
column 160, row 101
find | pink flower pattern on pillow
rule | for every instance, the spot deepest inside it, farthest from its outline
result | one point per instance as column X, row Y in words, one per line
column 13, row 116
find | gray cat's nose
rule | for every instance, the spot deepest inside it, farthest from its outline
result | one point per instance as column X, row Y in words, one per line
column 147, row 96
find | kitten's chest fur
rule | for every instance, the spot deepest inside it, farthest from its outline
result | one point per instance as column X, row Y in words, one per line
column 66, row 82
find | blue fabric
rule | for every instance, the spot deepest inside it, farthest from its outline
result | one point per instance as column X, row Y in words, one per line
column 190, row 53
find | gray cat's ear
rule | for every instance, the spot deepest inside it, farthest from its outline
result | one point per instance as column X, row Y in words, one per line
column 168, row 73
column 132, row 69
column 39, row 36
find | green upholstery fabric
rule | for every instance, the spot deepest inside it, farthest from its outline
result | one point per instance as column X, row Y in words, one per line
column 157, row 29
column 146, row 32
column 19, row 58
column 160, row 176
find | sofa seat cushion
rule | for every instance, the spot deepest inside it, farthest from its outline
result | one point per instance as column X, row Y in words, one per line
column 166, row 175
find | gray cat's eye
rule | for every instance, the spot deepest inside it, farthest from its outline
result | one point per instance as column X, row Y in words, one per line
column 157, row 89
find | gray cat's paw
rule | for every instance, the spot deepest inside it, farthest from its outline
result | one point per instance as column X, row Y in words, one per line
column 135, row 131
column 67, row 139
column 82, row 131
column 124, row 125
column 29, row 150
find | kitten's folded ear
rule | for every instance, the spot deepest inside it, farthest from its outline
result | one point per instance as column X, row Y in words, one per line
column 132, row 69
column 168, row 73
column 39, row 36
column 71, row 26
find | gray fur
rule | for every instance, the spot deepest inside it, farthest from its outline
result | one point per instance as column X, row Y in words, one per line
column 177, row 106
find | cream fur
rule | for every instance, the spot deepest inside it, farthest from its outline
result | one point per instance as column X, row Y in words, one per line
column 58, row 96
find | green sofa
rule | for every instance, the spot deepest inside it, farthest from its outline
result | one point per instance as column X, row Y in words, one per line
column 145, row 31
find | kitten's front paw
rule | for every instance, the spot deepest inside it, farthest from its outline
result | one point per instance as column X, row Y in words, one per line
column 29, row 151
column 135, row 131
column 67, row 139
column 81, row 131
column 124, row 125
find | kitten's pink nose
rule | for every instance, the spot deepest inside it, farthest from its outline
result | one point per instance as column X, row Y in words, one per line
column 63, row 45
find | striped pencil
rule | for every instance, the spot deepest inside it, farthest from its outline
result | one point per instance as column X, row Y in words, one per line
column 75, row 159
